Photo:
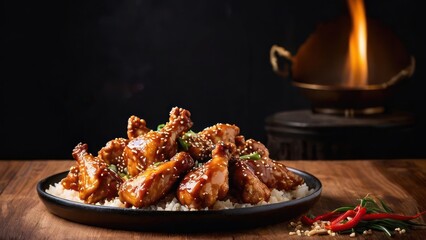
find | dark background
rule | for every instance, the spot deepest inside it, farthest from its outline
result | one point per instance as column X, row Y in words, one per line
column 75, row 71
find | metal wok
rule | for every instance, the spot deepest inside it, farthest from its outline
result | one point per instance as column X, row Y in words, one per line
column 317, row 69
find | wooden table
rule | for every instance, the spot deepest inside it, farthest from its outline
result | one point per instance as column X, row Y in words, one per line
column 401, row 183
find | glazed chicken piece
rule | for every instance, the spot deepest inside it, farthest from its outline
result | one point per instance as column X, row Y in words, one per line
column 245, row 185
column 240, row 140
column 136, row 127
column 71, row 180
column 221, row 132
column 202, row 144
column 274, row 174
column 155, row 182
column 112, row 153
column 201, row 187
column 246, row 147
column 157, row 146
column 200, row 147
column 95, row 181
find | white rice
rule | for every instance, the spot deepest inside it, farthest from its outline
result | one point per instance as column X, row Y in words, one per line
column 170, row 202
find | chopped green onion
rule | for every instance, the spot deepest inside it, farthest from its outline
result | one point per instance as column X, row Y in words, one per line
column 113, row 168
column 252, row 156
column 123, row 175
column 188, row 134
column 156, row 164
column 159, row 127
column 184, row 144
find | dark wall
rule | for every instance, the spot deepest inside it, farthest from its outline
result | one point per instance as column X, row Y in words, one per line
column 75, row 71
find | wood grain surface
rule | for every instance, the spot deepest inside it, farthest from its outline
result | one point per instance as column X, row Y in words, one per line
column 401, row 183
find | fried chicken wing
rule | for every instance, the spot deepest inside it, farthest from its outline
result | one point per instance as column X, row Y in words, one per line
column 155, row 182
column 202, row 144
column 201, row 187
column 200, row 147
column 246, row 185
column 112, row 153
column 245, row 147
column 221, row 132
column 274, row 174
column 71, row 180
column 157, row 146
column 136, row 127
column 95, row 181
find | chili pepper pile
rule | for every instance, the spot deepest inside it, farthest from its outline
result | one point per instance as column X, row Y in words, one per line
column 370, row 214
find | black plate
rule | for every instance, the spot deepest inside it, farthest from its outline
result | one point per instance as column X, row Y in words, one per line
column 177, row 221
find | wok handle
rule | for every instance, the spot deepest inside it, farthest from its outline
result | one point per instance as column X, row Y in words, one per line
column 273, row 57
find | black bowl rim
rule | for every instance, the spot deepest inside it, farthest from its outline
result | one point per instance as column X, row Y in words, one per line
column 97, row 215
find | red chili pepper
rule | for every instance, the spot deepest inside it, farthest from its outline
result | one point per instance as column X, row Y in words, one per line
column 337, row 226
column 307, row 220
column 328, row 216
column 323, row 217
column 349, row 213
column 374, row 216
column 356, row 214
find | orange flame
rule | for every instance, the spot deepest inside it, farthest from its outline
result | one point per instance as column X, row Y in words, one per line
column 356, row 71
